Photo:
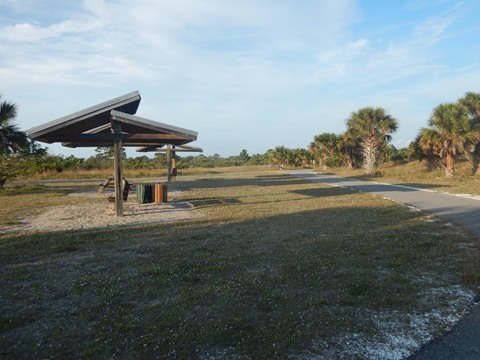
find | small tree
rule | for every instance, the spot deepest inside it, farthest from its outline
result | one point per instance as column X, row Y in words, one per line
column 280, row 156
column 104, row 153
column 350, row 145
column 451, row 122
column 12, row 140
column 11, row 167
column 430, row 144
column 373, row 126
column 301, row 157
column 325, row 146
column 471, row 101
column 243, row 156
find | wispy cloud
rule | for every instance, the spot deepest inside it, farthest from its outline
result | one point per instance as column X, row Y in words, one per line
column 416, row 5
column 432, row 31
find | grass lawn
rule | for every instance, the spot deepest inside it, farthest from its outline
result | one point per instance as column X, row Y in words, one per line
column 273, row 267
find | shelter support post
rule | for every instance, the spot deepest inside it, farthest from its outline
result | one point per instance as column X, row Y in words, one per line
column 117, row 165
column 169, row 164
column 174, row 165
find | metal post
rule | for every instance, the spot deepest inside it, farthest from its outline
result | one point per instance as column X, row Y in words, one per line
column 117, row 166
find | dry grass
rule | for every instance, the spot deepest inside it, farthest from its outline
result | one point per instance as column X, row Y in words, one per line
column 21, row 201
column 139, row 173
column 275, row 267
column 415, row 174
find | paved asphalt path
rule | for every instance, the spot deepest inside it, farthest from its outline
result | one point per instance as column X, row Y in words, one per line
column 463, row 342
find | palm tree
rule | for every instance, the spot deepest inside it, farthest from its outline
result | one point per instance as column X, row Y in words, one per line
column 451, row 122
column 350, row 145
column 324, row 146
column 430, row 144
column 280, row 156
column 374, row 126
column 471, row 101
column 12, row 140
column 301, row 157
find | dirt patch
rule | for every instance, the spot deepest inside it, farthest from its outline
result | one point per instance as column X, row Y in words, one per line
column 101, row 214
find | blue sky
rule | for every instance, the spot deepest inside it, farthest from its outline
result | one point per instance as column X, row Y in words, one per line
column 250, row 74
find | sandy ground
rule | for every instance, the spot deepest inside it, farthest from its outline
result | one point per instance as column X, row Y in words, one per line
column 102, row 214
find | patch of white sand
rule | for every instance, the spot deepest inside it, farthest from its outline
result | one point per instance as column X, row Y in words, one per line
column 102, row 215
column 398, row 335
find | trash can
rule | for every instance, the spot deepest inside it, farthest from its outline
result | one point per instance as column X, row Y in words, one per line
column 140, row 193
column 144, row 193
column 165, row 192
column 161, row 193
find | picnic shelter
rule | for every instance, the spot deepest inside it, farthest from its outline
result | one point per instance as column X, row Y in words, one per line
column 112, row 123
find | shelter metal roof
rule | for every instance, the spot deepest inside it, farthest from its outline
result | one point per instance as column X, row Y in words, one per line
column 91, row 127
column 162, row 148
column 84, row 120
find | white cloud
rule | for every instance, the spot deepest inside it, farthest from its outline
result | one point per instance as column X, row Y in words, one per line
column 29, row 33
column 416, row 5
column 174, row 35
column 358, row 44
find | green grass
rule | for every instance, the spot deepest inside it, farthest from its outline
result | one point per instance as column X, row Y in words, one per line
column 273, row 267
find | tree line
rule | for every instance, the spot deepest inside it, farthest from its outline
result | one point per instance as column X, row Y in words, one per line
column 453, row 132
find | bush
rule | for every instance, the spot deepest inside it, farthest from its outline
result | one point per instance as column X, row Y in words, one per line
column 333, row 162
column 11, row 167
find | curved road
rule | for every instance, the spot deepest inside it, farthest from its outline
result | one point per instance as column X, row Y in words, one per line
column 463, row 342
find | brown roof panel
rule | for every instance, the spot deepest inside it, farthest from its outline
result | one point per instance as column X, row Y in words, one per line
column 131, row 123
column 92, row 127
column 162, row 148
column 86, row 119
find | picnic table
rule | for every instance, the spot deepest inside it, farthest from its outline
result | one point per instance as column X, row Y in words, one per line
column 109, row 182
